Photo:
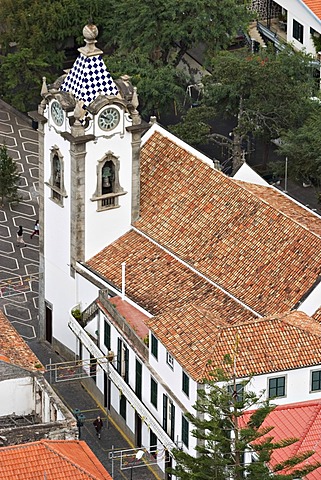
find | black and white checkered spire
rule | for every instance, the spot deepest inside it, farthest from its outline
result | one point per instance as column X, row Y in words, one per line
column 89, row 76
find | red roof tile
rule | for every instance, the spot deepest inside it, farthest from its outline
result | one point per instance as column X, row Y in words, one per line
column 314, row 6
column 317, row 315
column 285, row 205
column 297, row 420
column 195, row 338
column 59, row 460
column 157, row 282
column 259, row 253
column 13, row 349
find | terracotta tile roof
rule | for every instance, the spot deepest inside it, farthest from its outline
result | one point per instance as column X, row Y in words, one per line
column 297, row 420
column 194, row 337
column 317, row 315
column 13, row 349
column 253, row 250
column 314, row 6
column 157, row 282
column 285, row 205
column 59, row 460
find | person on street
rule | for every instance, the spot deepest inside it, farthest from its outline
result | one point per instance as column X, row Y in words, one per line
column 20, row 241
column 98, row 424
column 35, row 229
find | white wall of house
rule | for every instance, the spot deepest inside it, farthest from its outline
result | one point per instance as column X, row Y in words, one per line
column 17, row 396
column 169, row 382
column 297, row 10
column 297, row 385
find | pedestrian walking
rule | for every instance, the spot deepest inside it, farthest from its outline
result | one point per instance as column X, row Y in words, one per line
column 35, row 229
column 20, row 237
column 98, row 424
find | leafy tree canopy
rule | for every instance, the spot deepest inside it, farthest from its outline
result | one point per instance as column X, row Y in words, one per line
column 160, row 87
column 154, row 33
column 246, row 88
column 303, row 149
column 268, row 93
column 166, row 30
column 21, row 78
column 9, row 176
column 223, row 438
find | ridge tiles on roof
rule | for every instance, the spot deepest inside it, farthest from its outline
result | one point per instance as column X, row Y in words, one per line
column 199, row 342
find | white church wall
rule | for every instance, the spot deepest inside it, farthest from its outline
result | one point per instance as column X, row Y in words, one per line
column 313, row 301
column 246, row 174
column 105, row 226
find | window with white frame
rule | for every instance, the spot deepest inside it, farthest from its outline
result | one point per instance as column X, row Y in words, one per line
column 316, row 381
column 153, row 392
column 185, row 383
column 237, row 391
column 123, row 360
column 297, row 31
column 170, row 360
column 276, row 387
column 154, row 346
column 185, row 431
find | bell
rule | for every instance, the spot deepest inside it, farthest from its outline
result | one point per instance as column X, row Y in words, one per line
column 106, row 182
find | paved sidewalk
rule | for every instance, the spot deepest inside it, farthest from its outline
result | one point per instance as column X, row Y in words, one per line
column 74, row 396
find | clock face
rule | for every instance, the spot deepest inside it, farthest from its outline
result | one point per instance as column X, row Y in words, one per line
column 57, row 113
column 109, row 118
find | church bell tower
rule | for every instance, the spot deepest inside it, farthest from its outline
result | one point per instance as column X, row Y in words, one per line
column 89, row 135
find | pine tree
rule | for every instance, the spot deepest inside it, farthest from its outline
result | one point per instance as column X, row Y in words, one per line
column 223, row 439
column 9, row 177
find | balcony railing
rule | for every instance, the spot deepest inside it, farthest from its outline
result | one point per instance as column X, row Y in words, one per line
column 272, row 36
column 119, row 382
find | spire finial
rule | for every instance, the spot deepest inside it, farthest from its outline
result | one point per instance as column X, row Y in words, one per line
column 44, row 88
column 90, row 33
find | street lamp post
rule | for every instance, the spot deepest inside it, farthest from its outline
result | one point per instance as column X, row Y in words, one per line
column 286, row 175
column 80, row 417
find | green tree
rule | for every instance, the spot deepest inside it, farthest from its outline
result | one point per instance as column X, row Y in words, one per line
column 21, row 78
column 155, row 35
column 223, row 438
column 194, row 127
column 268, row 94
column 165, row 30
column 9, row 177
column 303, row 150
column 35, row 36
column 160, row 87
